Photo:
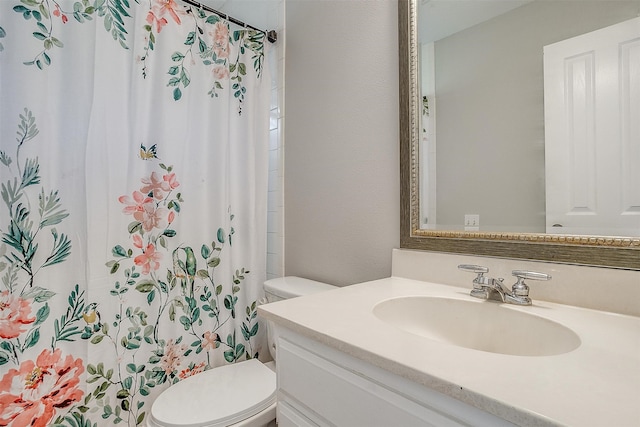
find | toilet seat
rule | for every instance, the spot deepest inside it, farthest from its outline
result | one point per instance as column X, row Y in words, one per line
column 218, row 397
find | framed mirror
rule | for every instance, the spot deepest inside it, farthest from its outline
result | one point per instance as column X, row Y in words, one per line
column 540, row 241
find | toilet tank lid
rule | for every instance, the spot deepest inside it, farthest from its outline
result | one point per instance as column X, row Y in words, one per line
column 292, row 286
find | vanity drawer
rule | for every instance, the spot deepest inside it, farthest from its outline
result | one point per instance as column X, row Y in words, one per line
column 288, row 416
column 316, row 385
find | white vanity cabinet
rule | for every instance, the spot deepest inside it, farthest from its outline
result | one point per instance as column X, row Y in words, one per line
column 321, row 386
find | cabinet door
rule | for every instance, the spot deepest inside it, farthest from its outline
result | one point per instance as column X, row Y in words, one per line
column 316, row 385
column 289, row 417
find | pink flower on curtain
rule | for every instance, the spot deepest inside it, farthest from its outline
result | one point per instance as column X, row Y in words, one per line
column 209, row 341
column 156, row 185
column 30, row 395
column 14, row 315
column 170, row 7
column 159, row 22
column 137, row 241
column 151, row 217
column 220, row 72
column 173, row 354
column 220, row 37
column 135, row 203
column 62, row 15
column 191, row 371
column 149, row 259
column 171, row 180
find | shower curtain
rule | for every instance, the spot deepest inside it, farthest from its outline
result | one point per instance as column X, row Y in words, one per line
column 133, row 176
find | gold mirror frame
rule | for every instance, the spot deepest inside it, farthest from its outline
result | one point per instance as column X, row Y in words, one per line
column 606, row 251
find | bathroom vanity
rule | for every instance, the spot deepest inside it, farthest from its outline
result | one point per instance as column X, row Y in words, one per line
column 350, row 357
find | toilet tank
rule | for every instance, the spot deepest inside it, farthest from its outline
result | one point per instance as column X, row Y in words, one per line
column 291, row 286
column 282, row 288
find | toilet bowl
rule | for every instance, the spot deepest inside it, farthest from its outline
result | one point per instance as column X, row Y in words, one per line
column 239, row 395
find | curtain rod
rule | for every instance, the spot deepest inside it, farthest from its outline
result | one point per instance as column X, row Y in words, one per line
column 272, row 35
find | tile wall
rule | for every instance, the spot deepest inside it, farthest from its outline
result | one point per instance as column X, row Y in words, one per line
column 275, row 203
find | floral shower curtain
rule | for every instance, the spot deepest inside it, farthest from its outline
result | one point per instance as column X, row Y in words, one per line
column 133, row 171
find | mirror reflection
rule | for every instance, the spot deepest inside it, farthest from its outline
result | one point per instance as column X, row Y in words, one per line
column 530, row 116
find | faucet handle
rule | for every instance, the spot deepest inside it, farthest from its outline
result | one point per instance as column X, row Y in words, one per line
column 473, row 268
column 520, row 288
column 532, row 275
column 480, row 279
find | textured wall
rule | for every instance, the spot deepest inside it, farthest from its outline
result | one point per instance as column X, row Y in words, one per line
column 341, row 139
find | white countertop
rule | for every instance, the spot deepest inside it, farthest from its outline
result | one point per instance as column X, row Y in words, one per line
column 598, row 384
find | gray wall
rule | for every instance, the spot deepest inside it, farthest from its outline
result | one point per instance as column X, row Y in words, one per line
column 490, row 115
column 341, row 174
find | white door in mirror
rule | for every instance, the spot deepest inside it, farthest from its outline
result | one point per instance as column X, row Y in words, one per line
column 592, row 105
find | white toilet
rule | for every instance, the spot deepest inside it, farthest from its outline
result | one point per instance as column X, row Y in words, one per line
column 240, row 395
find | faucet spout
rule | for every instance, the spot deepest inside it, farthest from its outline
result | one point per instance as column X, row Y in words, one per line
column 490, row 288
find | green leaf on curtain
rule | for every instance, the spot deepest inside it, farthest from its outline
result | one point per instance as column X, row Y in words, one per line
column 134, row 227
column 30, row 175
column 245, row 331
column 38, row 294
column 96, row 339
column 145, row 286
column 177, row 94
column 61, row 249
column 44, row 11
column 108, row 20
column 32, row 338
column 191, row 38
column 239, row 350
column 113, row 265
column 150, row 297
column 6, row 160
column 53, row 219
column 212, row 19
column 42, row 314
column 119, row 251
column 204, row 251
column 186, row 322
column 184, row 78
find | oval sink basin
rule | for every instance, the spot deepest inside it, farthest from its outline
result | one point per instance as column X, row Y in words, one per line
column 482, row 325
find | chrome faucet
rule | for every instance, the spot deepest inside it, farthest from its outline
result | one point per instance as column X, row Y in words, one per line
column 493, row 289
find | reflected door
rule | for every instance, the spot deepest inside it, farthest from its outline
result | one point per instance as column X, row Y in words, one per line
column 592, row 132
